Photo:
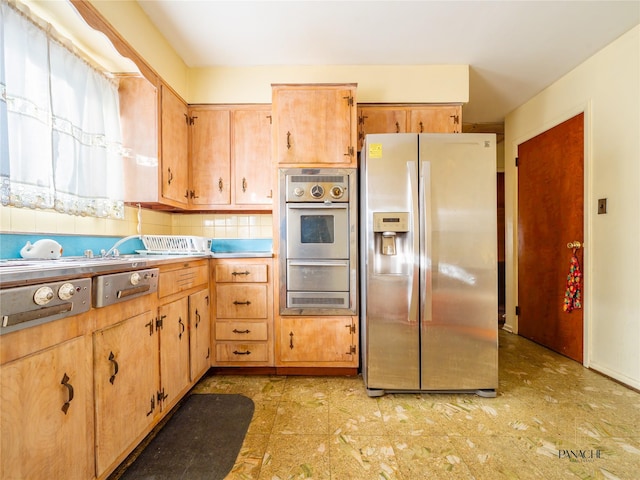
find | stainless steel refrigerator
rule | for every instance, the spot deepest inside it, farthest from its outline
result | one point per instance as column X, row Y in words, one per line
column 428, row 246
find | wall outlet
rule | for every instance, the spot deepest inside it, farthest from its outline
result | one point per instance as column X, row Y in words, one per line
column 602, row 206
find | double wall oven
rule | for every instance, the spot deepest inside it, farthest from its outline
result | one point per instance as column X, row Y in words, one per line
column 318, row 241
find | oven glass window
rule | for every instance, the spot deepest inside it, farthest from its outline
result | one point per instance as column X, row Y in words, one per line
column 316, row 229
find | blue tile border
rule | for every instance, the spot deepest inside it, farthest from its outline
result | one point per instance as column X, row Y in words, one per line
column 72, row 245
column 233, row 245
column 75, row 245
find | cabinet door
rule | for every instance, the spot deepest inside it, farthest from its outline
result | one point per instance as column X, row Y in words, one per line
column 314, row 125
column 44, row 414
column 125, row 369
column 139, row 124
column 252, row 157
column 436, row 119
column 380, row 120
column 210, row 158
column 317, row 341
column 174, row 141
column 199, row 333
column 174, row 350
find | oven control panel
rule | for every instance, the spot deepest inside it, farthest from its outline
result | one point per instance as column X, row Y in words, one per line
column 317, row 187
column 120, row 287
column 23, row 307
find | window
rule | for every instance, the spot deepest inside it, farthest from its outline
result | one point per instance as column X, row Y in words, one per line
column 60, row 128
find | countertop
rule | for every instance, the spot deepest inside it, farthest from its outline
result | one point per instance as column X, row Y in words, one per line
column 15, row 272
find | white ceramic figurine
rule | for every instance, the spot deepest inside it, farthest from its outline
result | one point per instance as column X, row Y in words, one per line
column 44, row 248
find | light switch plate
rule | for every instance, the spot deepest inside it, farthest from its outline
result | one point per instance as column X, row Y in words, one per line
column 602, row 206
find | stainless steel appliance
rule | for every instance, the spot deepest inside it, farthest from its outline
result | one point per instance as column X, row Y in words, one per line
column 32, row 305
column 429, row 263
column 318, row 241
column 123, row 286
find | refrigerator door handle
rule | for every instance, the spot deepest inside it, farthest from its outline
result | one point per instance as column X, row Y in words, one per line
column 426, row 260
column 412, row 169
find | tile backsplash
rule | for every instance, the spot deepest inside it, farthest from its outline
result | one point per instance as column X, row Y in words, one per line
column 210, row 225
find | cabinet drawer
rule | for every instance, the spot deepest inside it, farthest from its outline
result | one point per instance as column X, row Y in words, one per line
column 241, row 331
column 246, row 301
column 175, row 281
column 241, row 273
column 242, row 352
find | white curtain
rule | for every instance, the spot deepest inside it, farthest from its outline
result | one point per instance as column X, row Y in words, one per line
column 60, row 126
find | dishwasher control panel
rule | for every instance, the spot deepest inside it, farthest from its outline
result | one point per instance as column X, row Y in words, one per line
column 120, row 287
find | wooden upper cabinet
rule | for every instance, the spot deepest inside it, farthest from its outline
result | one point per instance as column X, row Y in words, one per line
column 209, row 159
column 403, row 118
column 436, row 119
column 251, row 156
column 314, row 124
column 380, row 120
column 174, row 138
column 139, row 122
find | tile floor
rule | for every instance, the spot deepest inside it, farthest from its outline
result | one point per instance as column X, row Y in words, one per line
column 552, row 419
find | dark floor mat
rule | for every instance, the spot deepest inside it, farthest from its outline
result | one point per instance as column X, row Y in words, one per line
column 199, row 442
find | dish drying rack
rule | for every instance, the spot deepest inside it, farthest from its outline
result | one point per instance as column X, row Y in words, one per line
column 174, row 245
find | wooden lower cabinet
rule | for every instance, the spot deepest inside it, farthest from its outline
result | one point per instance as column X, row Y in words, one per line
column 174, row 351
column 126, row 382
column 199, row 333
column 317, row 341
column 46, row 414
column 243, row 325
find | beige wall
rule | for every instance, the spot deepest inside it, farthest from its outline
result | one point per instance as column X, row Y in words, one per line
column 376, row 84
column 607, row 88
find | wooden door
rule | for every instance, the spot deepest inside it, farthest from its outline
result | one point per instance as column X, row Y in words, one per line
column 199, row 333
column 174, row 351
column 379, row 119
column 125, row 376
column 550, row 215
column 210, row 160
column 175, row 145
column 253, row 179
column 45, row 429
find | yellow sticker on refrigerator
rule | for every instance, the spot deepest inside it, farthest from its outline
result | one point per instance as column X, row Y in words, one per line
column 375, row 150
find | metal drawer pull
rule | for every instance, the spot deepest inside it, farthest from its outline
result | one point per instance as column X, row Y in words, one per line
column 246, row 272
column 241, row 331
column 235, row 302
column 132, row 291
column 65, row 382
column 112, row 359
column 235, row 352
column 16, row 318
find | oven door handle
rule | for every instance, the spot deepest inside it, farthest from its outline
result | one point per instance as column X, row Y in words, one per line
column 319, row 205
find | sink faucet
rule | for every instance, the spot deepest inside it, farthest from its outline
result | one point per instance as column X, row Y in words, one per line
column 113, row 251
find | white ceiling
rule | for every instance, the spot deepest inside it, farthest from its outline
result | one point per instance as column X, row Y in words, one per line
column 514, row 48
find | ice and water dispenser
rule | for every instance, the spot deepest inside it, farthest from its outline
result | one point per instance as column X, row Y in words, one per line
column 392, row 244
